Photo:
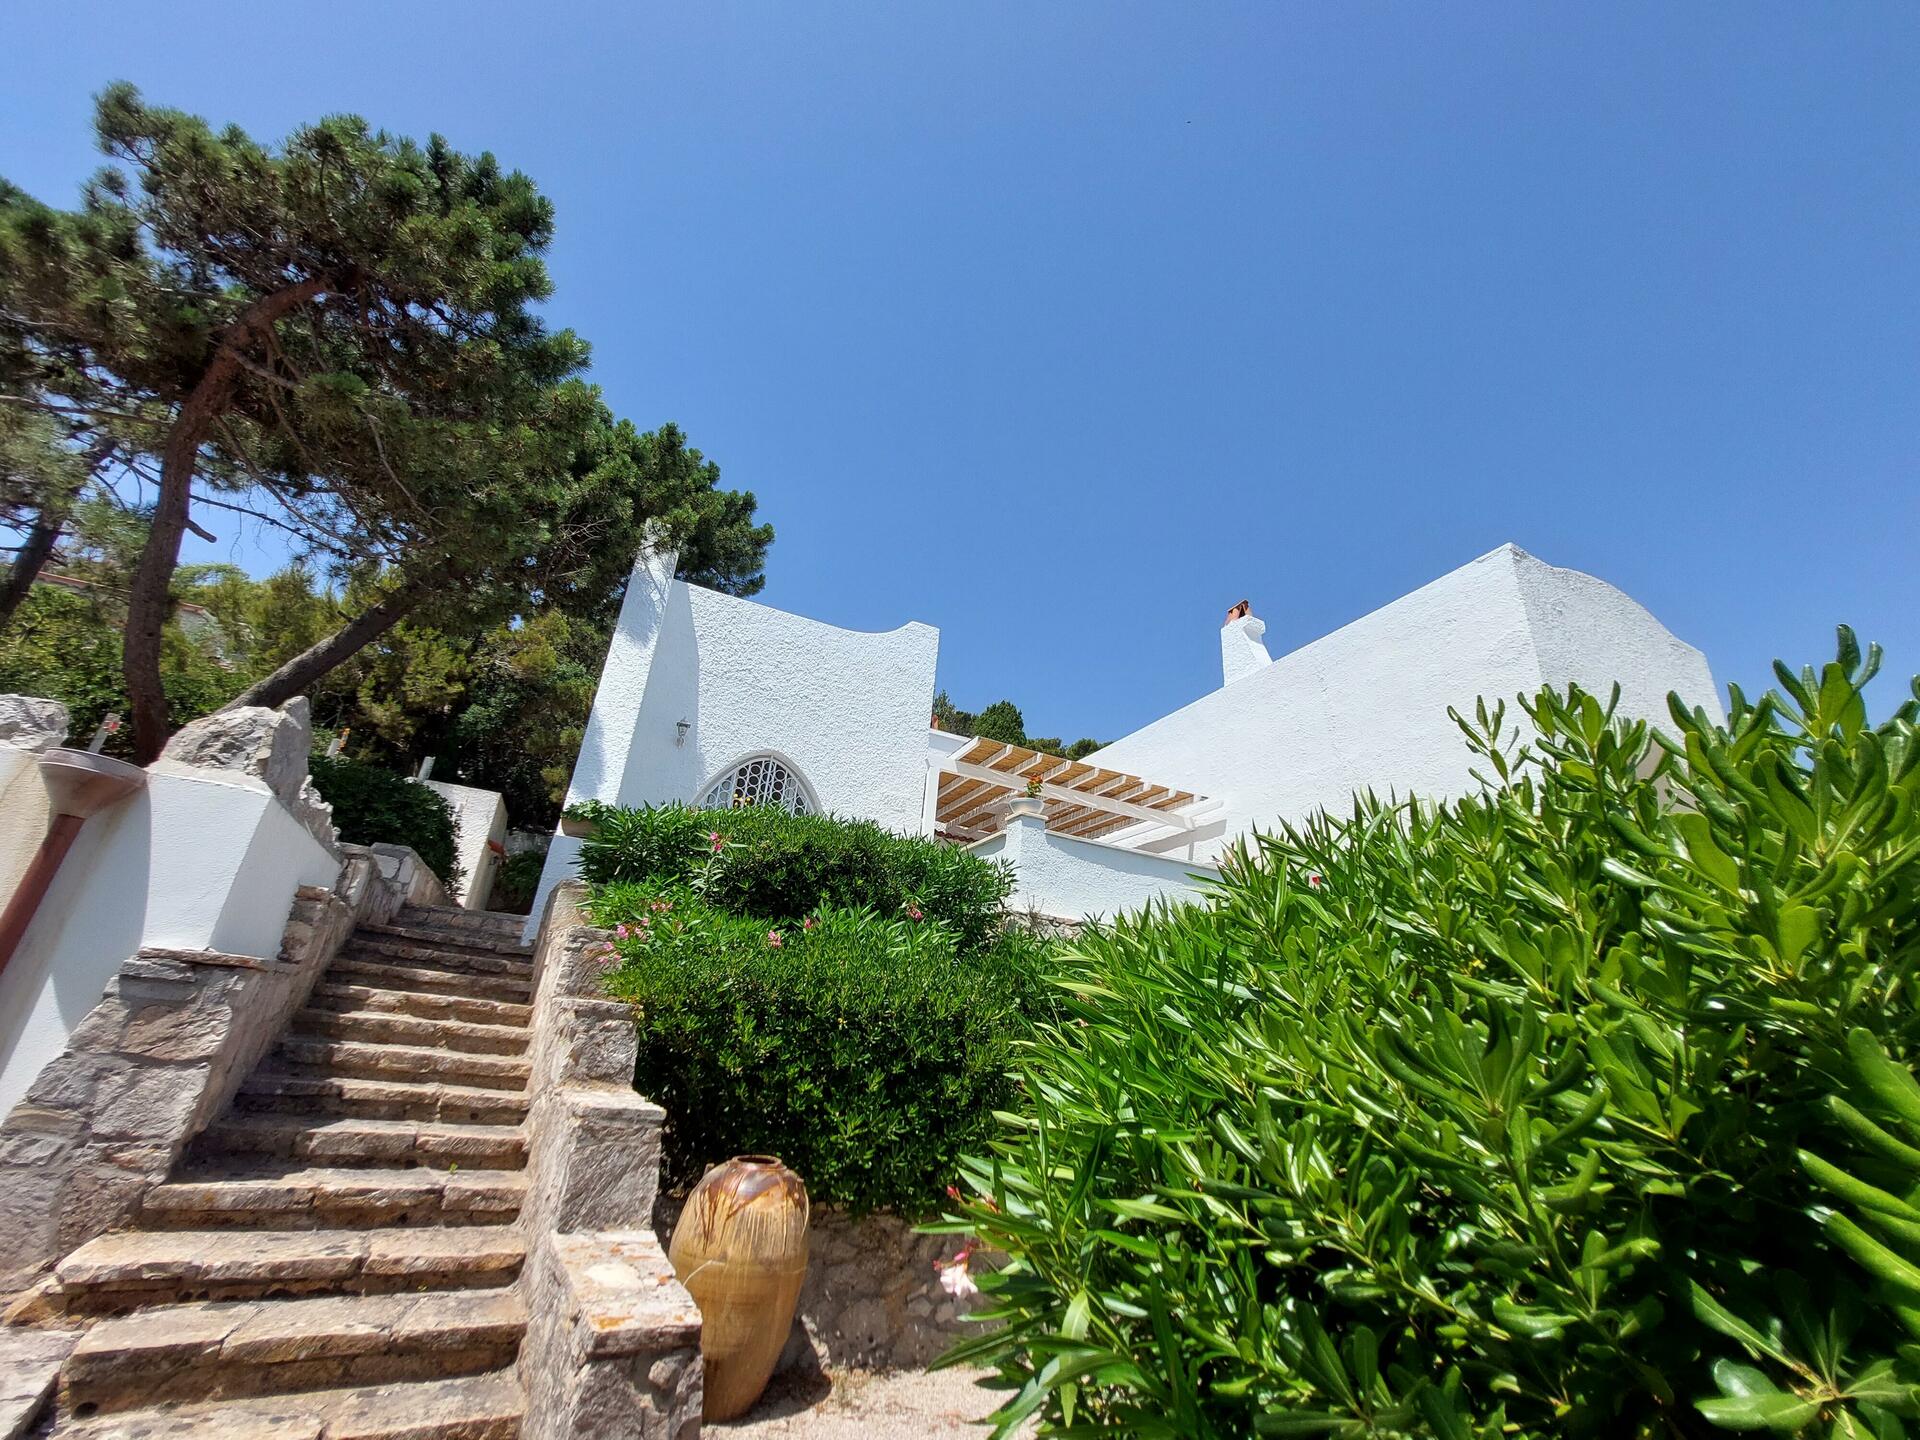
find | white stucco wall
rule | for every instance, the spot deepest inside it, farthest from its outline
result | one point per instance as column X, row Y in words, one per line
column 1366, row 707
column 847, row 709
column 1072, row 879
column 479, row 816
column 199, row 860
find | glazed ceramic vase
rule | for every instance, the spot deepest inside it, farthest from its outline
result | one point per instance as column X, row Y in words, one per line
column 741, row 1250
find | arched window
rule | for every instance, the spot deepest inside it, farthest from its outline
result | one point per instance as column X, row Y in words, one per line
column 760, row 780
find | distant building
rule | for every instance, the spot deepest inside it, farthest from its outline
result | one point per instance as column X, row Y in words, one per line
column 717, row 701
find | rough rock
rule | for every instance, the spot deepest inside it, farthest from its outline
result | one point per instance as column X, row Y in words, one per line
column 28, row 722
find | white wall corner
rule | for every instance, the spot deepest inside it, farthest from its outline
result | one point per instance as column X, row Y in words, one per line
column 1243, row 650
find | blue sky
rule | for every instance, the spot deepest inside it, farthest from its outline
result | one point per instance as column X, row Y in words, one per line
column 1062, row 327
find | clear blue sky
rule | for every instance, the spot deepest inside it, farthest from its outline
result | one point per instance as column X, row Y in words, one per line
column 1063, row 326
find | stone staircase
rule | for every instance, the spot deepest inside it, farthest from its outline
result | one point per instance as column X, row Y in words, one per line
column 336, row 1258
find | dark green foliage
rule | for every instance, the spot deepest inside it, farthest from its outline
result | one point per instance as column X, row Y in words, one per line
column 1583, row 1107
column 863, row 1049
column 778, row 866
column 60, row 646
column 514, row 881
column 1003, row 721
column 372, row 806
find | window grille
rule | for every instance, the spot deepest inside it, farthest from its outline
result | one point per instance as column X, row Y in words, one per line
column 758, row 780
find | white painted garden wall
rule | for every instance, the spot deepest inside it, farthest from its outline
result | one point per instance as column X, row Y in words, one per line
column 1366, row 707
column 199, row 859
column 846, row 709
column 1066, row 878
column 480, row 823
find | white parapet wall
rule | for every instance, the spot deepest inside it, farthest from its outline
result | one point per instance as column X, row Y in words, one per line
column 1064, row 878
column 480, row 823
column 696, row 682
column 207, row 856
column 1365, row 708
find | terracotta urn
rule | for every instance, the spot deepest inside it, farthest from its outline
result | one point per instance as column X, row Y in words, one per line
column 741, row 1250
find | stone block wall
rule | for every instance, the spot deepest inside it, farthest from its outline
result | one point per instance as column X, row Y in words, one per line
column 873, row 1299
column 613, row 1340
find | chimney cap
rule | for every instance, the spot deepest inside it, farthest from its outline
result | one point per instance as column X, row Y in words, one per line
column 1241, row 610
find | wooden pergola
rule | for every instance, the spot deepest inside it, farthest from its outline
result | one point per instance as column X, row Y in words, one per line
column 1081, row 798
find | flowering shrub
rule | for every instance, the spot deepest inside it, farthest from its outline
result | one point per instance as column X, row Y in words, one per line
column 864, row 1049
column 1580, row 1108
column 764, row 862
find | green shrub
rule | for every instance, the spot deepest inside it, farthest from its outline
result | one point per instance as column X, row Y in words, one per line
column 372, row 806
column 778, row 866
column 862, row 1049
column 1579, row 1108
column 515, row 880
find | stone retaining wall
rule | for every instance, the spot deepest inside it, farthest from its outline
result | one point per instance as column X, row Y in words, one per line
column 872, row 1298
column 613, row 1340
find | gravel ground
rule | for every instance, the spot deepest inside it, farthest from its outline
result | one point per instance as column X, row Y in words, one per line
column 854, row 1405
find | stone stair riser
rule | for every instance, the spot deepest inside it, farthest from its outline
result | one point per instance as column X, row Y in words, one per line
column 386, row 951
column 382, row 1028
column 440, row 938
column 355, row 971
column 377, row 1061
column 219, row 1351
column 380, row 1100
column 344, row 996
column 480, row 1407
column 307, row 1138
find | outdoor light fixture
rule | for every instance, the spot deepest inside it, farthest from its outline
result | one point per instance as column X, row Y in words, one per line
column 680, row 736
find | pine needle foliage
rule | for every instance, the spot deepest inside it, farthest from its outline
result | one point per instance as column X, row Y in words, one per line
column 1580, row 1107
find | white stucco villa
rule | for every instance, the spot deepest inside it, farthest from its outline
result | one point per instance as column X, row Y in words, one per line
column 716, row 701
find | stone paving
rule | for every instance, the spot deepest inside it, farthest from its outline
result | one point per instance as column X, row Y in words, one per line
column 806, row 1404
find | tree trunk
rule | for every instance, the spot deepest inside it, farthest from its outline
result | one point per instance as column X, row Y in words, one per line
column 148, row 599
column 317, row 659
column 32, row 557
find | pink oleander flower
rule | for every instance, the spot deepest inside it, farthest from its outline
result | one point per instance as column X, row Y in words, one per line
column 625, row 932
column 1315, row 879
column 807, row 924
column 661, row 906
column 773, row 939
column 913, row 912
column 955, row 1278
column 717, row 841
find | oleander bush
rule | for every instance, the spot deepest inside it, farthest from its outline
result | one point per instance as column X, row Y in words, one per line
column 372, row 806
column 1581, row 1107
column 867, row 1050
column 515, row 881
column 780, row 867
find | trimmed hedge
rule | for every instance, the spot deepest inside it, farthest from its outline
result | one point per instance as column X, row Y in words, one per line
column 372, row 806
column 866, row 1050
column 1583, row 1107
column 779, row 867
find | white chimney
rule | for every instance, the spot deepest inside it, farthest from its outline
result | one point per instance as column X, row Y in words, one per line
column 1242, row 650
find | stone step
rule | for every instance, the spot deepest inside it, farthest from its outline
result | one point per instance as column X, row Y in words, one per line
column 373, row 1060
column 206, row 1350
column 356, row 970
column 476, row 1407
column 450, row 937
column 342, row 995
column 349, row 1141
column 381, row 1028
column 132, row 1268
column 289, row 1196
column 309, row 1092
column 454, row 917
column 385, row 950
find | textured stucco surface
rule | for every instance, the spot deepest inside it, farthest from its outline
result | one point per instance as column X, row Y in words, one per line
column 479, row 816
column 1366, row 707
column 1070, row 879
column 846, row 708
